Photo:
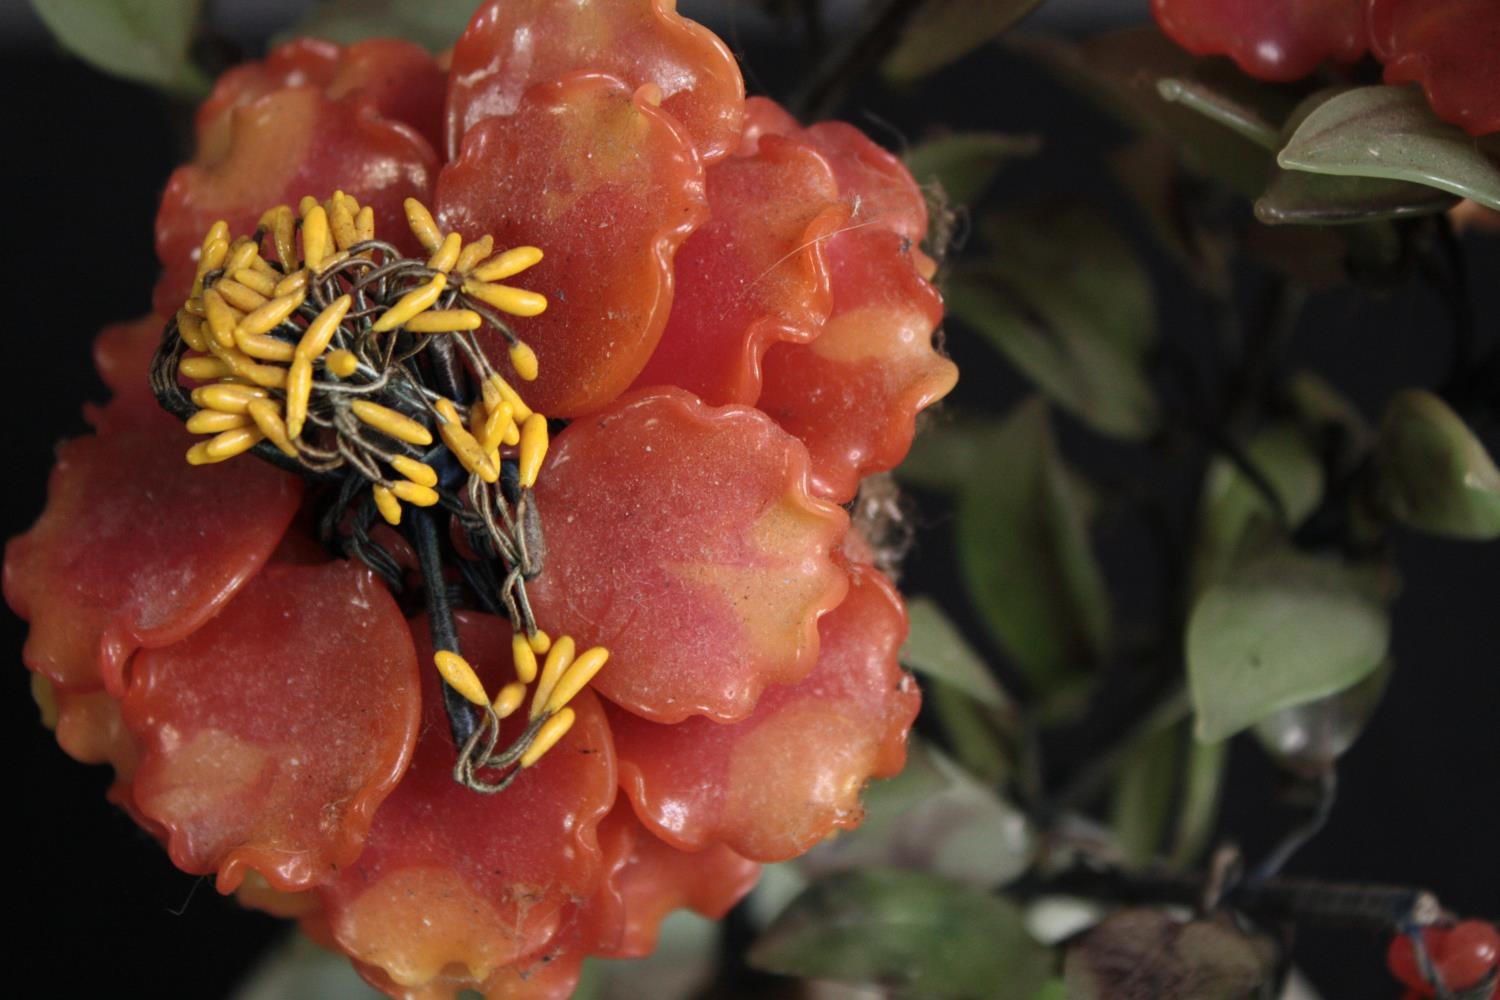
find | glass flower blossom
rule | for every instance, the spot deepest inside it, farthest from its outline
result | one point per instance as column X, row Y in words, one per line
column 729, row 324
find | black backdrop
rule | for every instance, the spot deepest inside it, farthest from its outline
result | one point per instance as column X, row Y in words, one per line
column 97, row 904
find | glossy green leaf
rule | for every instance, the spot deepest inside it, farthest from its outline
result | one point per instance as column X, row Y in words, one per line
column 1330, row 416
column 936, row 818
column 1231, row 503
column 1024, row 550
column 944, row 31
column 1390, row 132
column 1198, row 808
column 433, row 24
column 1065, row 299
column 1308, row 739
column 1148, row 953
column 1143, row 795
column 935, row 648
column 1299, row 197
column 1217, row 106
column 964, row 163
column 142, row 40
column 1435, row 475
column 1279, row 628
column 981, row 738
column 914, row 934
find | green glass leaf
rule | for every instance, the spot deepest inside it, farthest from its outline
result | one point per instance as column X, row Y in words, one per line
column 1148, row 953
column 1231, row 503
column 964, row 163
column 1390, row 132
column 935, row 648
column 1279, row 628
column 1143, row 795
column 1220, row 107
column 1066, row 301
column 936, row 818
column 1202, row 783
column 944, row 31
column 981, row 738
column 914, row 934
column 1308, row 739
column 142, row 40
column 1298, row 197
column 1435, row 475
column 433, row 24
column 1025, row 555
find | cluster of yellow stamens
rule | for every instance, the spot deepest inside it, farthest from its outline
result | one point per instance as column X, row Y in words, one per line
column 314, row 349
column 260, row 332
column 559, row 677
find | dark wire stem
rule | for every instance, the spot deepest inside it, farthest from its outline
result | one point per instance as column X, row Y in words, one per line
column 424, row 537
column 1298, row 837
column 880, row 28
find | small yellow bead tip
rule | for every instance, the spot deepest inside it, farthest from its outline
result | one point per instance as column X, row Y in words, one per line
column 298, row 392
column 533, row 449
column 413, row 302
column 508, row 264
column 387, row 504
column 516, row 301
column 319, row 333
column 446, row 255
column 576, row 678
column 422, row 224
column 342, row 363
column 316, row 238
column 389, row 422
column 540, row 642
column 475, row 252
column 418, row 472
column 547, row 737
column 464, row 446
column 559, row 658
column 415, row 493
column 460, row 676
column 523, row 360
column 215, row 421
column 267, row 416
column 509, row 699
column 523, row 657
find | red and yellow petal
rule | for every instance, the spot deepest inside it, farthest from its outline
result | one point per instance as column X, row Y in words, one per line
column 774, row 785
column 756, row 273
column 122, row 355
column 269, row 736
column 608, row 187
column 136, row 548
column 1269, row 39
column 853, row 394
column 511, row 45
column 456, row 885
column 654, row 878
column 287, row 144
column 684, row 540
column 1447, row 46
column 403, row 82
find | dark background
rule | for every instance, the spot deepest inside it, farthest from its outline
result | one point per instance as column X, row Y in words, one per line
column 98, row 905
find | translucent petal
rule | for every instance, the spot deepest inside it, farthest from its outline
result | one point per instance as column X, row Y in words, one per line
column 1269, row 39
column 1449, row 47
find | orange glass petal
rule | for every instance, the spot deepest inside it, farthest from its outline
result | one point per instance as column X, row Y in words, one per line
column 608, row 186
column 1451, row 48
column 1269, row 39
column 510, row 45
column 774, row 785
column 683, row 538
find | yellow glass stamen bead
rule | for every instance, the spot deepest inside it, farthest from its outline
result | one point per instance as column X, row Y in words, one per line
column 444, row 321
column 390, row 422
column 364, row 224
column 221, row 318
column 446, row 255
column 523, row 657
column 190, row 328
column 294, row 282
column 306, row 204
column 241, row 253
column 576, row 678
column 516, row 301
column 540, row 642
column 233, row 442
column 227, row 398
column 267, row 317
column 411, row 303
column 533, row 449
column 261, row 282
column 415, row 493
column 218, row 231
column 387, row 504
column 281, row 223
column 497, row 389
column 475, row 252
column 315, row 236
column 507, row 264
column 547, row 737
column 460, row 676
column 298, row 392
column 215, row 421
column 523, row 360
column 198, row 454
column 342, row 363
column 508, row 700
column 320, row 331
column 267, row 416
column 422, row 224
column 202, row 369
column 266, row 348
column 341, row 220
column 267, row 376
column 512, row 435
column 496, row 423
column 559, row 657
column 242, row 298
column 418, row 472
column 463, row 445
